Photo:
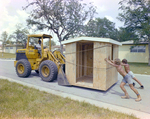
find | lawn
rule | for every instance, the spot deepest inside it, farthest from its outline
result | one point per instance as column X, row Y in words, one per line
column 140, row 68
column 7, row 55
column 21, row 102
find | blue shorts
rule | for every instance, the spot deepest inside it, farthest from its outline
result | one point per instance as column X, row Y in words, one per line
column 127, row 79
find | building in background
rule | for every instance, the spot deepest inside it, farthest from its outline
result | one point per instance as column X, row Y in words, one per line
column 134, row 53
column 12, row 48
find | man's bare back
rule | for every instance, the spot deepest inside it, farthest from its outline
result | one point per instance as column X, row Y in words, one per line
column 126, row 67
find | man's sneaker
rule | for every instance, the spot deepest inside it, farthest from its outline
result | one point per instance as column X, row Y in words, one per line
column 141, row 87
column 133, row 84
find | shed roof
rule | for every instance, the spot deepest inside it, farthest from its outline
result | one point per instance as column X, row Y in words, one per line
column 98, row 39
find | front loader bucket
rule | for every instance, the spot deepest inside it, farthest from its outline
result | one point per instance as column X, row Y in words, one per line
column 61, row 78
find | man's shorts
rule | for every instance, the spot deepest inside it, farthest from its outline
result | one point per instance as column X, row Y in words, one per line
column 131, row 74
column 127, row 79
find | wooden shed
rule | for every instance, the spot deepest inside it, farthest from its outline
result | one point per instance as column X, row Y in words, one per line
column 85, row 64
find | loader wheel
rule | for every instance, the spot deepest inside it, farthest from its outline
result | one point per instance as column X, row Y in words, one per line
column 23, row 68
column 48, row 70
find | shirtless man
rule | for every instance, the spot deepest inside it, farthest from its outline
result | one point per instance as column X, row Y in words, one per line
column 126, row 79
column 127, row 69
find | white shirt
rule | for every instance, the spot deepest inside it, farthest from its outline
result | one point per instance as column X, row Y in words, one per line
column 38, row 46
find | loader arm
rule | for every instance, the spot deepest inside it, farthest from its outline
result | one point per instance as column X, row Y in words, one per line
column 59, row 56
column 52, row 58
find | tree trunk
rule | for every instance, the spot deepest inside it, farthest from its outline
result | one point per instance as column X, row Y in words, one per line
column 149, row 53
column 61, row 48
column 3, row 47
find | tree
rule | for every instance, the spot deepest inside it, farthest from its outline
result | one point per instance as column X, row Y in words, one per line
column 20, row 35
column 101, row 28
column 4, row 38
column 9, row 42
column 52, row 43
column 124, row 35
column 65, row 18
column 136, row 17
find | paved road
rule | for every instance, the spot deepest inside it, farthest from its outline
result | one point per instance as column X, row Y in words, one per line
column 102, row 98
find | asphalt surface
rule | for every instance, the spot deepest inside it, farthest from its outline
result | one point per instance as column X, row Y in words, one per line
column 110, row 99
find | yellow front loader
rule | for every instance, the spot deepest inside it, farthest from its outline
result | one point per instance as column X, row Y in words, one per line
column 45, row 62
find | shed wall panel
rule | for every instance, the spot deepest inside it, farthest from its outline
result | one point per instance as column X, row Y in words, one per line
column 99, row 73
column 71, row 63
column 112, row 75
column 116, row 55
column 109, row 71
column 78, row 61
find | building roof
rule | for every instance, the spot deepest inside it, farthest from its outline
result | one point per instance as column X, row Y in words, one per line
column 98, row 39
column 130, row 42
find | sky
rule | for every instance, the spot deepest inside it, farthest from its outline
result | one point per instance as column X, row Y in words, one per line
column 12, row 13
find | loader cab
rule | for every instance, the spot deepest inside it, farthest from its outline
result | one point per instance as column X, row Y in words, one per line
column 31, row 53
column 35, row 44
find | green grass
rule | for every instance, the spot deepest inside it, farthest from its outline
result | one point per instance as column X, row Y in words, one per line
column 21, row 102
column 7, row 55
column 140, row 68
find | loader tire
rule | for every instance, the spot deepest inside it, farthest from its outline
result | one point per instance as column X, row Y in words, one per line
column 23, row 68
column 48, row 71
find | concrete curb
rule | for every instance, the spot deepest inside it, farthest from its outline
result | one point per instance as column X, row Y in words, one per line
column 138, row 114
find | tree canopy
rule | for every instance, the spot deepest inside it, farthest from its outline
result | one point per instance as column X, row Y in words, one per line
column 20, row 35
column 52, row 43
column 4, row 39
column 136, row 16
column 124, row 34
column 101, row 28
column 63, row 17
